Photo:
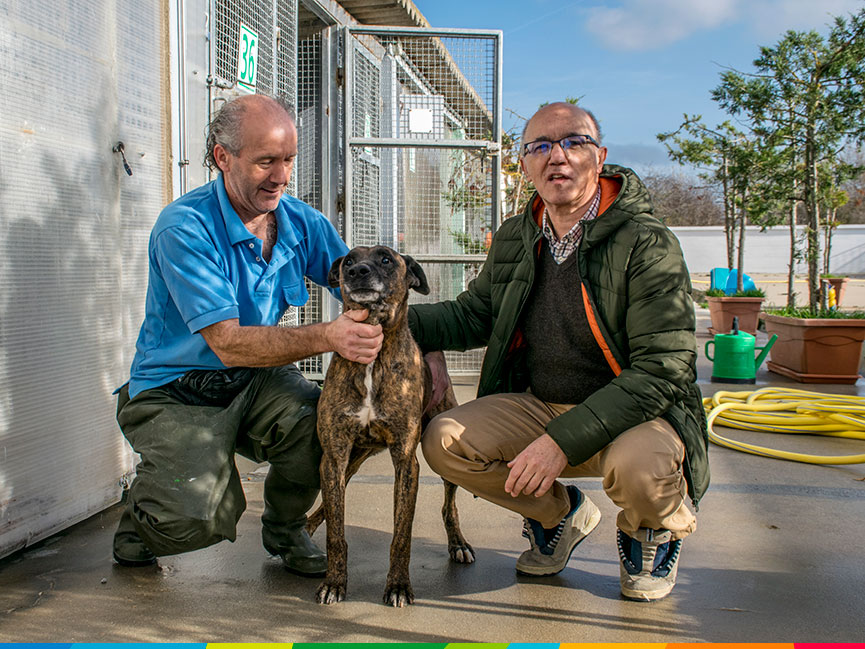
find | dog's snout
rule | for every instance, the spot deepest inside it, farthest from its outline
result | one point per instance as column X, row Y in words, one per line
column 358, row 270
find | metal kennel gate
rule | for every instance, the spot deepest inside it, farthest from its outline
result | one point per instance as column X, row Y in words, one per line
column 423, row 141
column 399, row 134
column 294, row 43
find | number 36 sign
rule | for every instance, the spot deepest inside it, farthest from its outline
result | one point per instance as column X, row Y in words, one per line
column 247, row 58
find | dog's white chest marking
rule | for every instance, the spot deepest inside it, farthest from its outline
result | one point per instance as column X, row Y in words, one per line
column 367, row 412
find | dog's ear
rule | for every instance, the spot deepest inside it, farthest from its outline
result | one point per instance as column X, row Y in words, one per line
column 333, row 274
column 416, row 276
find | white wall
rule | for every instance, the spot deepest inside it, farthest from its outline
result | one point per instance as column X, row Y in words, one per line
column 77, row 76
column 769, row 251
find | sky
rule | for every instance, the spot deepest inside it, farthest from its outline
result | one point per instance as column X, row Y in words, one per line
column 639, row 65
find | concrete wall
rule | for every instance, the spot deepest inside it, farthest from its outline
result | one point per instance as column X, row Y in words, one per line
column 769, row 251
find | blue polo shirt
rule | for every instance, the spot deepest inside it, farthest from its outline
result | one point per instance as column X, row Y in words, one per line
column 205, row 267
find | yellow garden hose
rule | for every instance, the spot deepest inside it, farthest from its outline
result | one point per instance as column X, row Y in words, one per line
column 786, row 410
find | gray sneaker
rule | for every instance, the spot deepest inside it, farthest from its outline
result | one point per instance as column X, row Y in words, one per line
column 547, row 557
column 649, row 562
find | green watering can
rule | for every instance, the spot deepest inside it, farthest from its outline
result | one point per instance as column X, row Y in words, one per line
column 734, row 360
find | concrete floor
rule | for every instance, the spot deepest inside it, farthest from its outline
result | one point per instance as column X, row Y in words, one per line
column 778, row 557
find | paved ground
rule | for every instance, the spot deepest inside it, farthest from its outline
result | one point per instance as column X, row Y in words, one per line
column 778, row 557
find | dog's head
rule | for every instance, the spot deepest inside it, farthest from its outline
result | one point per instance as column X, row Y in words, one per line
column 377, row 278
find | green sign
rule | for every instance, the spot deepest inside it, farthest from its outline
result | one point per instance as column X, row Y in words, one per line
column 247, row 58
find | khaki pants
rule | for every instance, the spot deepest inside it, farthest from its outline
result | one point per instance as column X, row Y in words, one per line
column 641, row 469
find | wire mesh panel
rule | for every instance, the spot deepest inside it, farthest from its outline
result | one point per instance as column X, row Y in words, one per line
column 79, row 77
column 275, row 24
column 286, row 48
column 289, row 68
column 424, row 143
column 308, row 167
column 259, row 17
column 365, row 161
column 447, row 280
column 440, row 199
column 453, row 76
column 308, row 171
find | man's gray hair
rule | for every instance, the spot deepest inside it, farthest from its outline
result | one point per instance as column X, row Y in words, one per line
column 226, row 126
column 589, row 113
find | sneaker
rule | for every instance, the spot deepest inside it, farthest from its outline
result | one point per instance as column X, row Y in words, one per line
column 648, row 563
column 551, row 549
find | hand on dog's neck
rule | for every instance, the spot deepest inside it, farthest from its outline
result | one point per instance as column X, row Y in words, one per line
column 388, row 315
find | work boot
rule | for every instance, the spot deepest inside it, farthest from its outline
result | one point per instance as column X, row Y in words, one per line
column 649, row 561
column 283, row 531
column 551, row 549
column 129, row 550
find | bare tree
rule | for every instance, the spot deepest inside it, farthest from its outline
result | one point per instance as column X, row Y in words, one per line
column 681, row 199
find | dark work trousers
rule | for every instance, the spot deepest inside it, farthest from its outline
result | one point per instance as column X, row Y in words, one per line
column 187, row 493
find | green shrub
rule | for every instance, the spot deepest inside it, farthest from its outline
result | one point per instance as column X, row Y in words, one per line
column 753, row 292
column 805, row 312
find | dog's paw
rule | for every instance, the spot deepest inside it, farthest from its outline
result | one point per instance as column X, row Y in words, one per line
column 398, row 595
column 330, row 592
column 462, row 553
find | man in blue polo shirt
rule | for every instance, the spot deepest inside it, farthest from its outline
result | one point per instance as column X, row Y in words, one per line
column 212, row 374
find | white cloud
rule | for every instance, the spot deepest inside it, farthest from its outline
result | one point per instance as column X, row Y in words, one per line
column 653, row 24
column 769, row 19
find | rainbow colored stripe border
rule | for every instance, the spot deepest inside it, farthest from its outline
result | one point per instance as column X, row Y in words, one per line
column 431, row 645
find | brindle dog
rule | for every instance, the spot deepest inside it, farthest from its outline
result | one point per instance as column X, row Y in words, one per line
column 366, row 408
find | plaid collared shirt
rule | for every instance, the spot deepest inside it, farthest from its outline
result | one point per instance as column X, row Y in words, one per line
column 562, row 248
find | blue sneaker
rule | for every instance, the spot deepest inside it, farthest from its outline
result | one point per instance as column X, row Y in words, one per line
column 551, row 549
column 649, row 562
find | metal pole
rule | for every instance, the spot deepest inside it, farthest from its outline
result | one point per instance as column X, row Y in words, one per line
column 492, row 147
column 497, row 134
column 211, row 73
column 183, row 156
column 347, row 58
column 449, row 259
column 426, row 31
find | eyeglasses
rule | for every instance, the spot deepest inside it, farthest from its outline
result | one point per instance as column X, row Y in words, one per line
column 545, row 147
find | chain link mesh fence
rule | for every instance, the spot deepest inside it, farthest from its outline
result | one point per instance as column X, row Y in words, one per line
column 308, row 171
column 436, row 195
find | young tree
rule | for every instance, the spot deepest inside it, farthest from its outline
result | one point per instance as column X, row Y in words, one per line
column 710, row 151
column 832, row 197
column 808, row 91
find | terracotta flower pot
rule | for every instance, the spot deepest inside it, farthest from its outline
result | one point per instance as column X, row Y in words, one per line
column 839, row 284
column 816, row 350
column 724, row 309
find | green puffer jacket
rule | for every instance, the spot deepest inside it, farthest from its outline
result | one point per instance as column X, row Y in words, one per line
column 636, row 288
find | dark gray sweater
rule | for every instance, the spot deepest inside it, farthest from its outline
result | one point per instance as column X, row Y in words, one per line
column 565, row 363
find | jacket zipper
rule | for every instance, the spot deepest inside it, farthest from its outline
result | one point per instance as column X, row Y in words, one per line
column 607, row 350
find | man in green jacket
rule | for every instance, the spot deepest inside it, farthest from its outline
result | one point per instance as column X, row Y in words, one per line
column 584, row 306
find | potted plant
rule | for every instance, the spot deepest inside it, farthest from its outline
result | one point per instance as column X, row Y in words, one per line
column 821, row 347
column 799, row 98
column 744, row 305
